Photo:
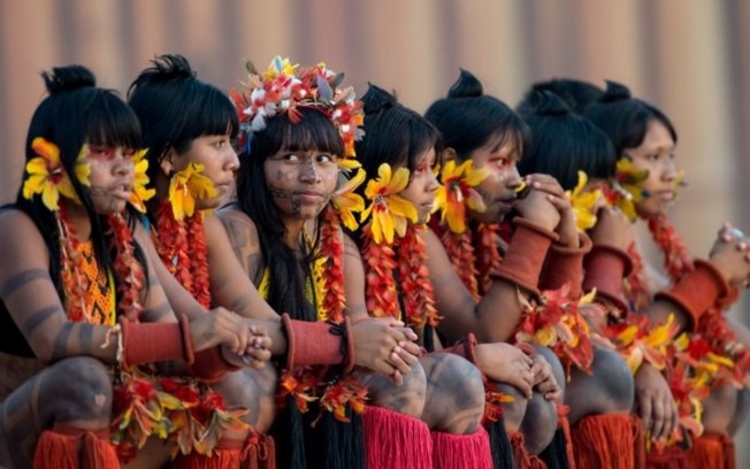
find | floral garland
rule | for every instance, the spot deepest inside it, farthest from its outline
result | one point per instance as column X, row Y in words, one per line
column 416, row 287
column 284, row 88
column 177, row 220
column 457, row 193
column 555, row 321
column 584, row 203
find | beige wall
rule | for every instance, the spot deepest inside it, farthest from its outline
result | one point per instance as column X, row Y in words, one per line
column 690, row 57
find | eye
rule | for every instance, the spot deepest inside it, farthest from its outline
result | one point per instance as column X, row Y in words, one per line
column 128, row 153
column 291, row 157
column 219, row 144
column 652, row 157
column 325, row 158
column 502, row 162
column 101, row 153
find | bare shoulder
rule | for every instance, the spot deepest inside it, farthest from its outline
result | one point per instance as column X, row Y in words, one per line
column 19, row 236
column 239, row 226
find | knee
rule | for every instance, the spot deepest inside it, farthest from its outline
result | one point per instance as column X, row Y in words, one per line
column 78, row 389
column 514, row 411
column 407, row 398
column 741, row 410
column 253, row 390
column 614, row 380
column 455, row 394
column 539, row 423
column 719, row 408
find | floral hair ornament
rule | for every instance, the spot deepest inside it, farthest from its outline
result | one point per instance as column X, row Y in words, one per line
column 347, row 202
column 390, row 212
column 140, row 193
column 47, row 175
column 626, row 189
column 286, row 88
column 457, row 185
column 584, row 203
column 187, row 186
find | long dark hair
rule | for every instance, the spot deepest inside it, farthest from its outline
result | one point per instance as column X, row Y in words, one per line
column 314, row 131
column 77, row 112
column 625, row 119
column 467, row 118
column 174, row 108
column 563, row 144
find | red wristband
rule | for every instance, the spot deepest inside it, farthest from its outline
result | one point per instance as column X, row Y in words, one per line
column 605, row 269
column 151, row 342
column 525, row 256
column 465, row 348
column 211, row 366
column 317, row 343
column 565, row 266
column 697, row 291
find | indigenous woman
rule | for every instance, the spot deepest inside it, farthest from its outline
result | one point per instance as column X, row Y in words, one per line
column 299, row 128
column 409, row 275
column 646, row 185
column 86, row 320
column 189, row 127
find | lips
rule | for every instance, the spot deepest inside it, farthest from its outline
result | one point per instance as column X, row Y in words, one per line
column 121, row 191
column 311, row 197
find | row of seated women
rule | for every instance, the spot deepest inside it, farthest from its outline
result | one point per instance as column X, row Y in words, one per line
column 284, row 275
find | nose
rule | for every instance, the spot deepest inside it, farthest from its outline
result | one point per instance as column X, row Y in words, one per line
column 514, row 179
column 233, row 161
column 669, row 173
column 123, row 167
column 433, row 184
column 308, row 172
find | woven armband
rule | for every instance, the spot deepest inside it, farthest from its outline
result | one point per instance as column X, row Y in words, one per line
column 318, row 343
column 565, row 266
column 152, row 342
column 525, row 256
column 605, row 268
column 697, row 291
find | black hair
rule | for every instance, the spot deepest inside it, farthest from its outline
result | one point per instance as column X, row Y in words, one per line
column 77, row 112
column 577, row 94
column 394, row 133
column 468, row 119
column 175, row 107
column 625, row 119
column 563, row 143
column 314, row 131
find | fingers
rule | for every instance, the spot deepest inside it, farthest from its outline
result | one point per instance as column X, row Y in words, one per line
column 644, row 403
column 399, row 362
column 545, row 183
column 658, row 413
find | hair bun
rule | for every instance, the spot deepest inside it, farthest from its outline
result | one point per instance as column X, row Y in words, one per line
column 547, row 103
column 615, row 92
column 467, row 86
column 377, row 99
column 68, row 78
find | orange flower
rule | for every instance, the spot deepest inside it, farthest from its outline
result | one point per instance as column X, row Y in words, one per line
column 390, row 211
column 48, row 177
column 457, row 192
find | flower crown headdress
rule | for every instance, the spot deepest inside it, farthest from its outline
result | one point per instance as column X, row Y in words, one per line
column 286, row 88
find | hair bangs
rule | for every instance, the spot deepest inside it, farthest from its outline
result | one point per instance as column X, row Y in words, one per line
column 313, row 132
column 112, row 122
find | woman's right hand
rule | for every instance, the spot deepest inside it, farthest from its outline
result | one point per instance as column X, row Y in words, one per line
column 385, row 346
column 612, row 229
column 505, row 363
column 223, row 327
column 730, row 255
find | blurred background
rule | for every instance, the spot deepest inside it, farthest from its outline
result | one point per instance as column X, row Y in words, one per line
column 691, row 58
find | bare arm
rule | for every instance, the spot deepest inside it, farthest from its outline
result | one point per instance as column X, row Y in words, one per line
column 492, row 319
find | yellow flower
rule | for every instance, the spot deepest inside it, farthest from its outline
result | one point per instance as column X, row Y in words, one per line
column 140, row 194
column 48, row 177
column 457, row 192
column 627, row 187
column 584, row 203
column 348, row 164
column 186, row 187
column 346, row 202
column 278, row 67
column 390, row 211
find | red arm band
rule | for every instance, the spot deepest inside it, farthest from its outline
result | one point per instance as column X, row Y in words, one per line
column 605, row 268
column 697, row 291
column 465, row 348
column 210, row 365
column 565, row 265
column 153, row 342
column 525, row 256
column 318, row 343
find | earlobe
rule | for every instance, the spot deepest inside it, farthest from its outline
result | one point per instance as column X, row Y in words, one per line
column 448, row 154
column 166, row 162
